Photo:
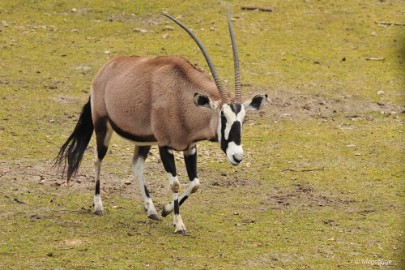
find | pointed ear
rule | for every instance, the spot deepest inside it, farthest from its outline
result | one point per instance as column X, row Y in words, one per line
column 256, row 103
column 204, row 101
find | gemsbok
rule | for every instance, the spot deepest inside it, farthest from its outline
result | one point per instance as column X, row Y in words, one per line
column 165, row 101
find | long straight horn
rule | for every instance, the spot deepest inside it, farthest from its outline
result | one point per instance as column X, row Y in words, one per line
column 214, row 73
column 238, row 93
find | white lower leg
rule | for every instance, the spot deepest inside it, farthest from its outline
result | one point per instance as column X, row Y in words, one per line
column 138, row 166
column 178, row 224
column 99, row 155
column 98, row 204
column 150, row 207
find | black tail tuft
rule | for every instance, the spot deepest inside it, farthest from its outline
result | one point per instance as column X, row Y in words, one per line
column 71, row 153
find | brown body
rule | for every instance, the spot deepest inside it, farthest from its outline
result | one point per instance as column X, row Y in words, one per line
column 150, row 100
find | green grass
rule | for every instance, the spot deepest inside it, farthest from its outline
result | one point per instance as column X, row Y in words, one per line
column 313, row 192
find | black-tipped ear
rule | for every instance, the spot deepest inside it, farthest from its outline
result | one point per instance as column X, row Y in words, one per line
column 256, row 103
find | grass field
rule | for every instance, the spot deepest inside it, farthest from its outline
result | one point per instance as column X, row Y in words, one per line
column 322, row 184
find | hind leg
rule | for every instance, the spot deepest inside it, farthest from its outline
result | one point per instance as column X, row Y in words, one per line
column 141, row 152
column 103, row 136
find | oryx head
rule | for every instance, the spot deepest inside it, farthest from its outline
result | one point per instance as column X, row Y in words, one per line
column 231, row 112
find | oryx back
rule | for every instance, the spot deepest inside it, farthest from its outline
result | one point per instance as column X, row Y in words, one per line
column 150, row 101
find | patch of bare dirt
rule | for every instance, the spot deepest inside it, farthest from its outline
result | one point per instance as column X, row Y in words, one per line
column 231, row 180
column 44, row 174
column 19, row 176
column 288, row 104
column 302, row 196
column 65, row 99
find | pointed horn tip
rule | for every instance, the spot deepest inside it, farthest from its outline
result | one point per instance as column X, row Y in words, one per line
column 238, row 93
column 168, row 16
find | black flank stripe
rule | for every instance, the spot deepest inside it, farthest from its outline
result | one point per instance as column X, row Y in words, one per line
column 130, row 136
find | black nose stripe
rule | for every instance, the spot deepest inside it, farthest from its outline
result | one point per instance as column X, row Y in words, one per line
column 234, row 133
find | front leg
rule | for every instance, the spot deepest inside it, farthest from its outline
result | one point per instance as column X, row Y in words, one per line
column 166, row 155
column 190, row 158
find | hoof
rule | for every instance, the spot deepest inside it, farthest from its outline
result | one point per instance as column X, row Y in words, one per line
column 99, row 212
column 178, row 224
column 182, row 232
column 166, row 212
column 154, row 217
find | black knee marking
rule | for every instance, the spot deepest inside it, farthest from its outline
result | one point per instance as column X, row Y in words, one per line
column 101, row 151
column 176, row 208
column 100, row 128
column 191, row 164
column 143, row 151
column 167, row 160
column 98, row 187
column 183, row 200
column 146, row 192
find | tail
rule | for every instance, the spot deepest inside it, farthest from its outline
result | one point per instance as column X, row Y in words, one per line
column 71, row 153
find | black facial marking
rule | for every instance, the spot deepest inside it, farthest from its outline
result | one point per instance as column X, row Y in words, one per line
column 236, row 107
column 234, row 133
column 224, row 143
